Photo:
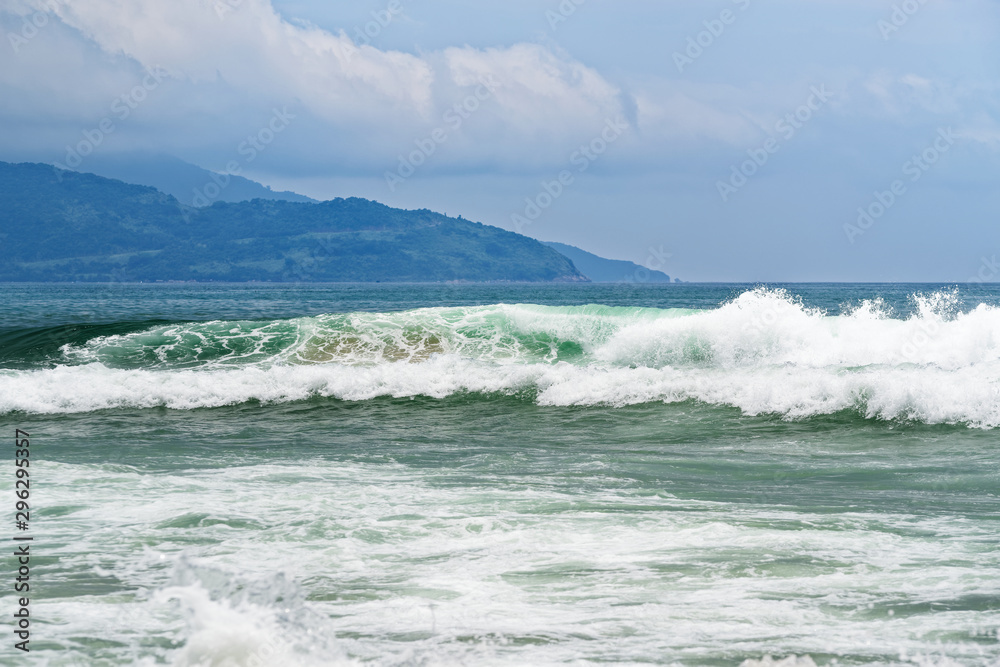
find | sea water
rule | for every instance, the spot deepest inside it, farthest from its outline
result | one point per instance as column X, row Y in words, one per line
column 505, row 474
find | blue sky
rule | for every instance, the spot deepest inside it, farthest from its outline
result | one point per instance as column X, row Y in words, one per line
column 749, row 140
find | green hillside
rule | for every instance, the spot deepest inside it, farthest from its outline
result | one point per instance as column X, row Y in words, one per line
column 601, row 270
column 60, row 225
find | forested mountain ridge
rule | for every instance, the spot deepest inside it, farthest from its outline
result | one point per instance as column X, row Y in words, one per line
column 58, row 225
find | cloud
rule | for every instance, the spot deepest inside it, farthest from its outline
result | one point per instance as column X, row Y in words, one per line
column 252, row 49
column 359, row 107
column 248, row 55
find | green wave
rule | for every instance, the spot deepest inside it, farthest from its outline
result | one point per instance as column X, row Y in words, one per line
column 527, row 333
column 41, row 346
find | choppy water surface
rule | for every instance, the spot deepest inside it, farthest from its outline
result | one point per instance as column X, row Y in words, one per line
column 699, row 475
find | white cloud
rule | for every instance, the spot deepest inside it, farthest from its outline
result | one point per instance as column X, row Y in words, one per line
column 361, row 107
column 253, row 51
column 250, row 48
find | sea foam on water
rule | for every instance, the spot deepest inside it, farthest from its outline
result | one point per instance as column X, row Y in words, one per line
column 763, row 352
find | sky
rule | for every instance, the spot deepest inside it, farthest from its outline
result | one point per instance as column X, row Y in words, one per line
column 730, row 140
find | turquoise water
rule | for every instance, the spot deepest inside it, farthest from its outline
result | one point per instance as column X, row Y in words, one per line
column 408, row 474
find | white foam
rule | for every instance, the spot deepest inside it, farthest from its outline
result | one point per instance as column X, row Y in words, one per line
column 396, row 567
column 790, row 661
column 762, row 353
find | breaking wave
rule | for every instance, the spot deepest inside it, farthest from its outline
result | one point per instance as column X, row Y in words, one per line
column 763, row 352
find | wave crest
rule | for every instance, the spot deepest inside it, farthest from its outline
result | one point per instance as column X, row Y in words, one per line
column 762, row 352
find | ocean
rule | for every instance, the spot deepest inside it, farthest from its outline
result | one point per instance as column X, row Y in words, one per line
column 228, row 475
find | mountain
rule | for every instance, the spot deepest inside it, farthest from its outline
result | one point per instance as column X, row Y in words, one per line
column 601, row 270
column 58, row 225
column 188, row 183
